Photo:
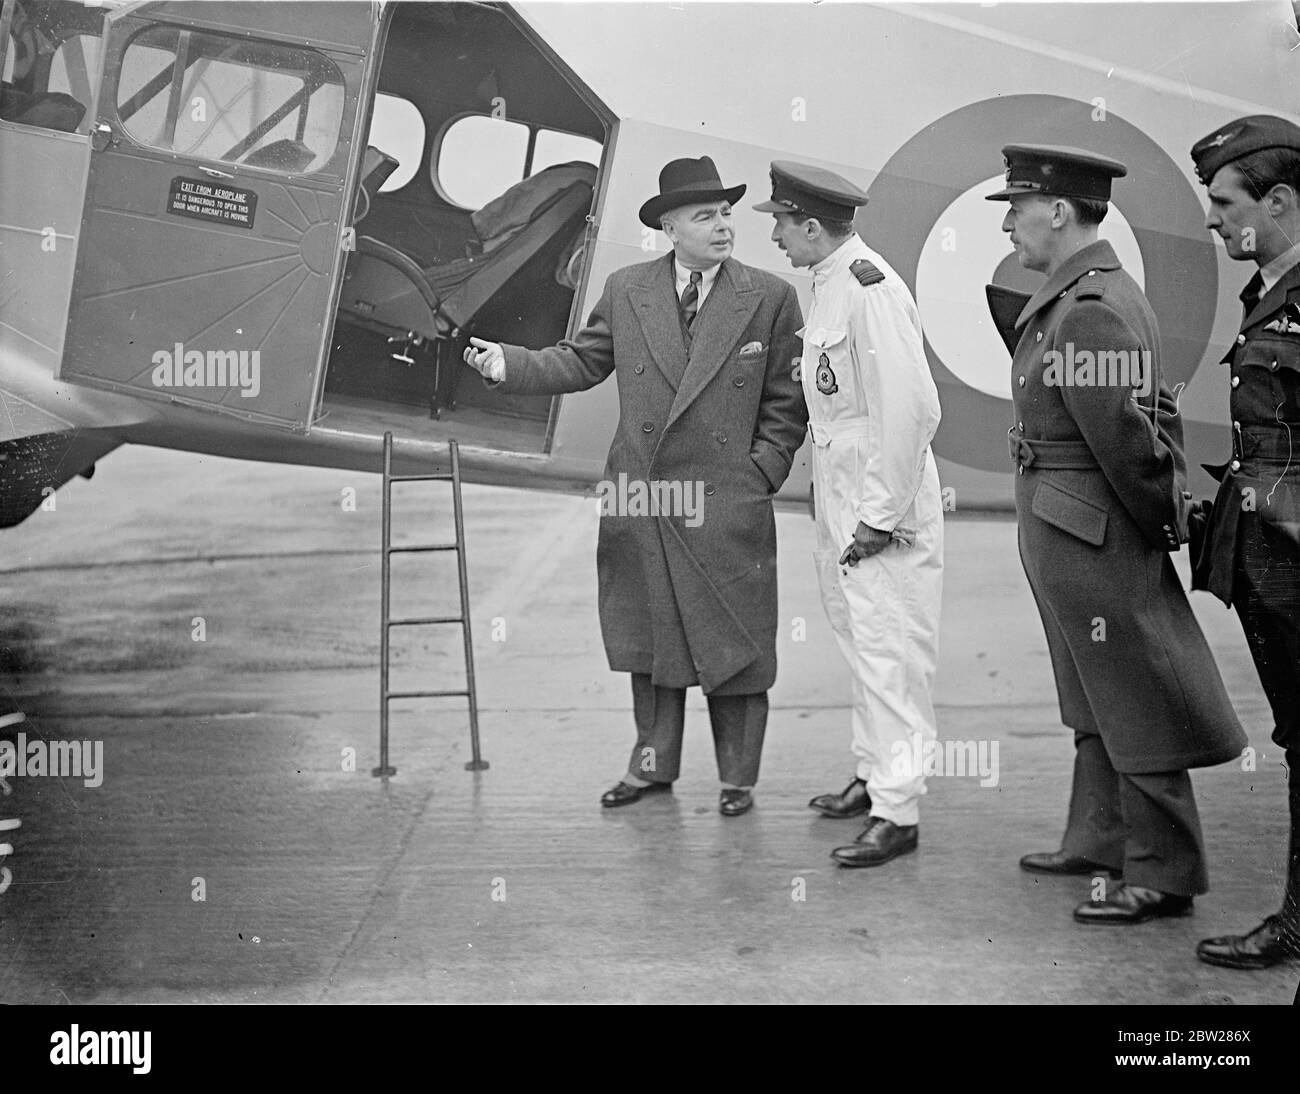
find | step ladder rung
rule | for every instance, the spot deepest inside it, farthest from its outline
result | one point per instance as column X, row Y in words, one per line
column 425, row 694
column 426, row 621
column 387, row 550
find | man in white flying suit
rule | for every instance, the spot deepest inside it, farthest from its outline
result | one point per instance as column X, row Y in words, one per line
column 873, row 411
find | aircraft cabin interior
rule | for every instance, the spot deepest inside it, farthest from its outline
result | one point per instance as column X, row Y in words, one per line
column 471, row 214
column 471, row 219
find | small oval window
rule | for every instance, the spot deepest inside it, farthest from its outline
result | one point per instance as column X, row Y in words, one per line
column 397, row 128
column 478, row 158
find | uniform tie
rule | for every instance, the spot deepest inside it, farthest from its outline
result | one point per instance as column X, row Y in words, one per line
column 1251, row 294
column 691, row 298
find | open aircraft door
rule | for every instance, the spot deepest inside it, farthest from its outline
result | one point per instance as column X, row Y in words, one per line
column 211, row 243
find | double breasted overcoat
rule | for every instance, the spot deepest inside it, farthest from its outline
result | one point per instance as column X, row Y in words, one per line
column 715, row 414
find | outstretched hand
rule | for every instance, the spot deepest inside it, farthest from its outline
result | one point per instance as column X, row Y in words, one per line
column 487, row 358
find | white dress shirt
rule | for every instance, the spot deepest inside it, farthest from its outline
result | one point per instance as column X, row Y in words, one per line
column 706, row 282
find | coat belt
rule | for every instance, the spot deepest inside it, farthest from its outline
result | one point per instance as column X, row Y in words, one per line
column 838, row 429
column 1050, row 455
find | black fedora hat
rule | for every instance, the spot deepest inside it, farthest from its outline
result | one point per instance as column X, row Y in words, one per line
column 687, row 182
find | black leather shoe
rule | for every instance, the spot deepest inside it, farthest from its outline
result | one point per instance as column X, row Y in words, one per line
column 625, row 793
column 1058, row 862
column 1267, row 945
column 732, row 803
column 879, row 842
column 852, row 802
column 1126, row 904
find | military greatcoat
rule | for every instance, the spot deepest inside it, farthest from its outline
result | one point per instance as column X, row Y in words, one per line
column 1099, row 514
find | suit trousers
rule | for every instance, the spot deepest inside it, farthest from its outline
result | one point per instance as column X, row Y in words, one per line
column 739, row 725
column 1143, row 825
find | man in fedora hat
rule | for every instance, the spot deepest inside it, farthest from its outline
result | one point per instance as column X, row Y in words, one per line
column 703, row 348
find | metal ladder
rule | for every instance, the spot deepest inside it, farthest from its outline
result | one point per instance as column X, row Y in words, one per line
column 387, row 622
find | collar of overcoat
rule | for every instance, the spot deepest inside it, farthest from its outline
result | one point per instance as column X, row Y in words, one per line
column 1274, row 298
column 1095, row 256
column 721, row 321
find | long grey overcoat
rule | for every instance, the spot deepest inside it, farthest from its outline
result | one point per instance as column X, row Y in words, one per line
column 688, row 598
column 1130, row 660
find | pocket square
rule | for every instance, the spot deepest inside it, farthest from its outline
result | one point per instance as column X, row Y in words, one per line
column 751, row 349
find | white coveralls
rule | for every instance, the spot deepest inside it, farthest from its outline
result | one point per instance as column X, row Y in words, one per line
column 873, row 410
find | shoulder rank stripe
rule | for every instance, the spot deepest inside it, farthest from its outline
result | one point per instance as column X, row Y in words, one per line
column 865, row 272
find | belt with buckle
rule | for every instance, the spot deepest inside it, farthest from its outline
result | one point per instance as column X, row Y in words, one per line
column 1050, row 455
column 1267, row 442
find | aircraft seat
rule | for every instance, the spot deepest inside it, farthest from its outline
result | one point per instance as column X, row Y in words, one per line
column 48, row 109
column 282, row 155
column 383, row 287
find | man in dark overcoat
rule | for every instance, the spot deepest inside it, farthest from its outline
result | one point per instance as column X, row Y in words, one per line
column 1251, row 554
column 710, row 420
column 1099, row 496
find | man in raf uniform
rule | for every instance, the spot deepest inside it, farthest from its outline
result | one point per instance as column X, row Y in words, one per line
column 1099, row 496
column 873, row 410
column 1251, row 554
column 701, row 346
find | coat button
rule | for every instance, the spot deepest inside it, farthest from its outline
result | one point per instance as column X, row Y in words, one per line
column 1038, row 337
column 721, row 438
column 647, row 427
column 1167, row 528
column 739, row 381
column 1235, row 465
column 639, row 369
column 1241, row 339
column 1021, row 381
column 1236, row 381
column 709, row 490
column 1273, row 367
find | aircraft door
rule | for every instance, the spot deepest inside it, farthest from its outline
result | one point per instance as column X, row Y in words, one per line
column 211, row 241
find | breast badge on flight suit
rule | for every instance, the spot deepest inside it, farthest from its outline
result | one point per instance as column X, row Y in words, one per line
column 826, row 376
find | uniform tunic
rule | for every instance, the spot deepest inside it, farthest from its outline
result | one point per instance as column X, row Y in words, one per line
column 1251, row 555
column 1130, row 661
column 873, row 410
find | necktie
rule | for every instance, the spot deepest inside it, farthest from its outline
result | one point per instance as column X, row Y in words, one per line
column 691, row 298
column 1251, row 294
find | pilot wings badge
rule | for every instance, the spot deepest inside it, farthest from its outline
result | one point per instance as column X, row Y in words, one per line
column 1288, row 322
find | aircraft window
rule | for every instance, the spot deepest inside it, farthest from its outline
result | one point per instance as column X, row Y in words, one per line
column 479, row 157
column 553, row 147
column 398, row 128
column 259, row 103
column 50, row 65
column 75, row 65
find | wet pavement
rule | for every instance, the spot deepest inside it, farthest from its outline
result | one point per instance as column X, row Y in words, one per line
column 214, row 625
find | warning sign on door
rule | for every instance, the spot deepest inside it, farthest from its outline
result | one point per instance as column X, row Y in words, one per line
column 211, row 201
